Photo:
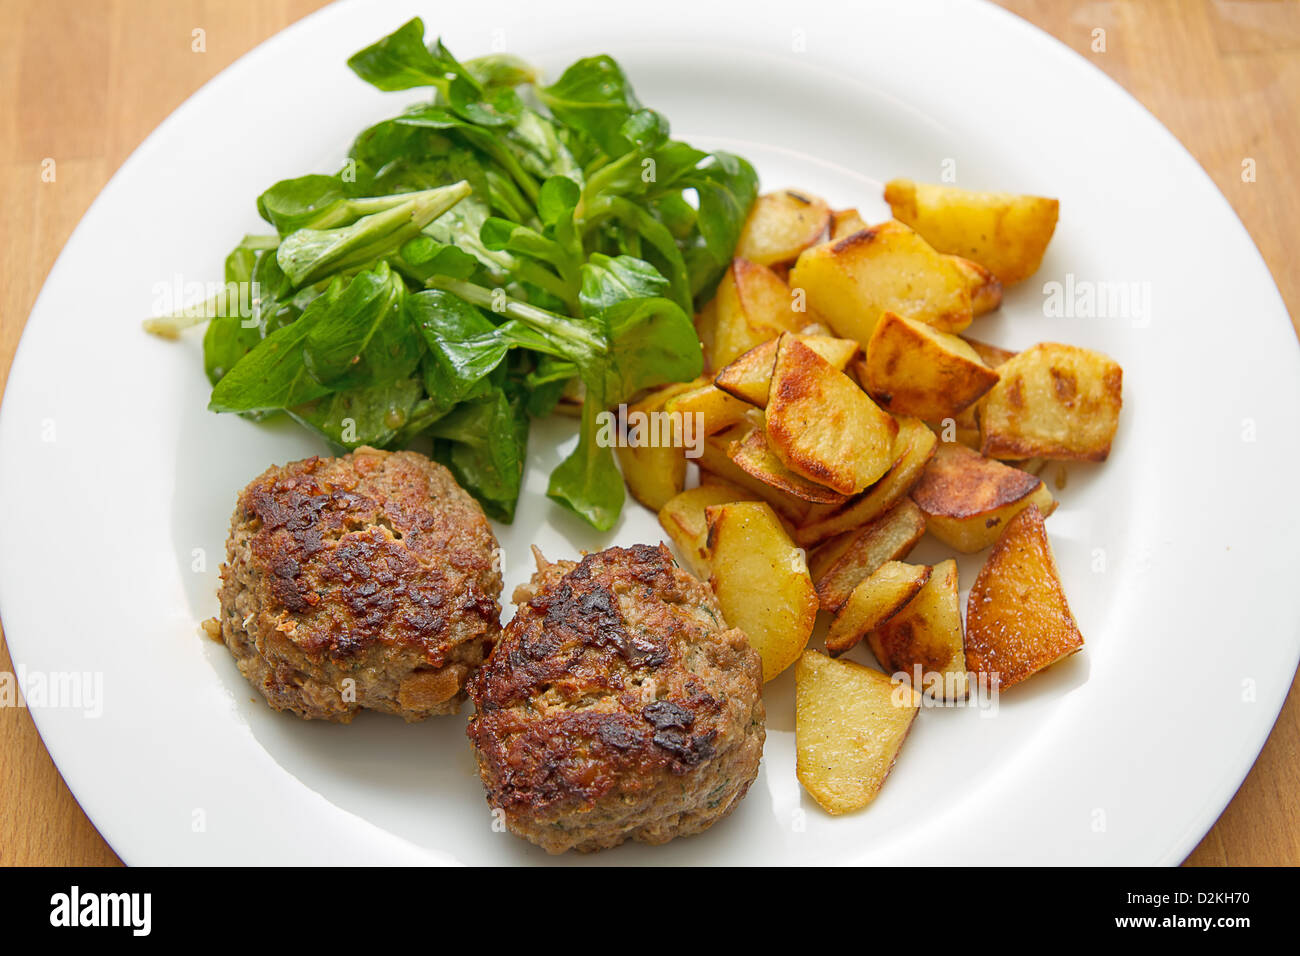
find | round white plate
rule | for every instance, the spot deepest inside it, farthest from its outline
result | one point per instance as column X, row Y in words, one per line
column 117, row 485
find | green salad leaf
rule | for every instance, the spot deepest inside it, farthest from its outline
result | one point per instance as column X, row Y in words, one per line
column 481, row 254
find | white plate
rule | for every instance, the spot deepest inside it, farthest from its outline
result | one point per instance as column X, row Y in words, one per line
column 116, row 483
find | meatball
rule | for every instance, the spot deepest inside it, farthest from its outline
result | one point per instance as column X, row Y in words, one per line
column 617, row 705
column 367, row 581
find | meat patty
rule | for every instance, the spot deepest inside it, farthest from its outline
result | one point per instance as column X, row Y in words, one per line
column 367, row 581
column 617, row 705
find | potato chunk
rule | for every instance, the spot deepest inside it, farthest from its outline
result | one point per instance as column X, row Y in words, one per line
column 718, row 411
column 822, row 426
column 1005, row 233
column 985, row 289
column 761, row 579
column 781, row 225
column 991, row 355
column 753, row 455
column 684, row 520
column 1053, row 401
column 753, row 304
column 845, row 222
column 851, row 282
column 874, row 601
column 706, row 329
column 967, row 498
column 913, row 447
column 654, row 473
column 913, row 369
column 716, row 464
column 850, row 723
column 838, row 566
column 749, row 377
column 927, row 634
column 1017, row 618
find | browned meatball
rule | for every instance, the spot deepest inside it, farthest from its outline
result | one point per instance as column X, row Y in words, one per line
column 617, row 705
column 367, row 581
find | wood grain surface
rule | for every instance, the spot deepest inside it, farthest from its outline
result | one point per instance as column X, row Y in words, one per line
column 83, row 83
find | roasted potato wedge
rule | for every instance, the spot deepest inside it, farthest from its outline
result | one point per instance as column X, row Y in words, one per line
column 753, row 305
column 822, row 426
column 967, row 498
column 927, row 634
column 912, row 450
column 962, row 428
column 914, row 369
column 876, row 599
column 1005, row 233
column 718, row 411
column 985, row 289
column 654, row 473
column 781, row 225
column 850, row 723
column 761, row 580
column 842, row 563
column 1017, row 618
column 706, row 330
column 683, row 519
column 845, row 222
column 752, row 454
column 749, row 377
column 1053, row 401
column 851, row 282
column 991, row 355
column 716, row 465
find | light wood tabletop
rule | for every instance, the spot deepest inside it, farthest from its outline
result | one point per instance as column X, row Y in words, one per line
column 84, row 82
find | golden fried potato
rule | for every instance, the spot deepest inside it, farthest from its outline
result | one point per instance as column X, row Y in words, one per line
column 913, row 369
column 754, row 456
column 850, row 723
column 822, row 426
column 985, row 289
column 876, row 599
column 927, row 633
column 1005, row 233
column 654, row 473
column 761, row 579
column 1017, row 619
column 845, row 222
column 1053, row 401
column 753, row 305
column 853, row 281
column 991, row 355
column 962, row 428
column 716, row 465
column 781, row 225
column 749, row 377
column 706, row 330
column 684, row 521
column 967, row 498
column 912, row 450
column 842, row 563
column 718, row 411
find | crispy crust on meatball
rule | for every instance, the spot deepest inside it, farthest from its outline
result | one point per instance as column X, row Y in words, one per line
column 367, row 581
column 617, row 705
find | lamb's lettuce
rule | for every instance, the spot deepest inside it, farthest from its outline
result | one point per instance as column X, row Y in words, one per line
column 479, row 254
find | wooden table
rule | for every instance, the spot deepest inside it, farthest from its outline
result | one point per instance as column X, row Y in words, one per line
column 84, row 82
